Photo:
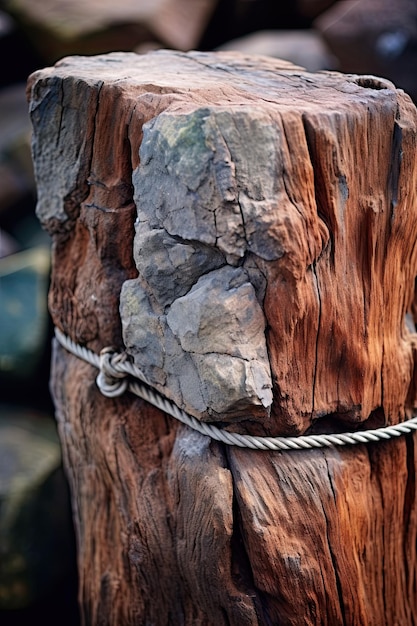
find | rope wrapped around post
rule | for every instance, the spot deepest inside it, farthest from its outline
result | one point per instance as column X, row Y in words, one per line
column 113, row 380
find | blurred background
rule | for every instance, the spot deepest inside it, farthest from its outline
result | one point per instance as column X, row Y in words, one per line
column 38, row 576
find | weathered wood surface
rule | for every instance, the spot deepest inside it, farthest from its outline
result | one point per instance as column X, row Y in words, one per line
column 246, row 230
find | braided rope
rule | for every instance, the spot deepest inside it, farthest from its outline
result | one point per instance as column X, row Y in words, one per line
column 112, row 381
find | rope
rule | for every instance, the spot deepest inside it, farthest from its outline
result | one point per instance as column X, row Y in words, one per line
column 112, row 381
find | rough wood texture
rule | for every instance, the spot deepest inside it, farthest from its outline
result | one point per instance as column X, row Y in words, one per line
column 246, row 231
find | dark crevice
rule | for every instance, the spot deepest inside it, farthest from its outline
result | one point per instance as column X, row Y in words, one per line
column 100, row 86
column 376, row 419
column 338, row 583
column 332, row 554
column 316, row 356
column 215, row 230
column 225, row 616
column 382, row 374
column 58, row 135
column 181, row 294
column 373, row 450
column 319, row 185
column 241, row 568
column 285, row 173
column 307, row 133
column 409, row 503
column 395, row 167
column 243, row 220
column 129, row 121
column 371, row 82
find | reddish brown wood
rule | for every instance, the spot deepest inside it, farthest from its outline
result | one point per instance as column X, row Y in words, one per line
column 312, row 179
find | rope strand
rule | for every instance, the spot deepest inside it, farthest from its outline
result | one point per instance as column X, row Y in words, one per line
column 113, row 381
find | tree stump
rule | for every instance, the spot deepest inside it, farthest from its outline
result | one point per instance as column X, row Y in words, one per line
column 245, row 231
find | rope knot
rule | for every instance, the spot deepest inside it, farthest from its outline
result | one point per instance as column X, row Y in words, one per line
column 111, row 381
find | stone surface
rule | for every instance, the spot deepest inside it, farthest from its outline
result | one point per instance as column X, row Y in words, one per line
column 222, row 369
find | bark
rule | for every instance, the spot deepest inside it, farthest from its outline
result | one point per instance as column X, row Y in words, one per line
column 245, row 231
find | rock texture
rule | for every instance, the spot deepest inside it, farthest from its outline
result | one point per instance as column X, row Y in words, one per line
column 245, row 230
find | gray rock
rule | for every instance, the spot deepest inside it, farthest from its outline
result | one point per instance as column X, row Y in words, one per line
column 192, row 320
column 170, row 265
column 208, row 352
column 207, row 190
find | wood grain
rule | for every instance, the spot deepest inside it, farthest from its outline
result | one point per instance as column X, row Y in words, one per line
column 246, row 231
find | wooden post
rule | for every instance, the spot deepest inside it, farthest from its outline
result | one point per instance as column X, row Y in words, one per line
column 246, row 231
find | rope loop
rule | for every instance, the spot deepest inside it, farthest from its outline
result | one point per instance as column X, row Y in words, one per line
column 111, row 381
